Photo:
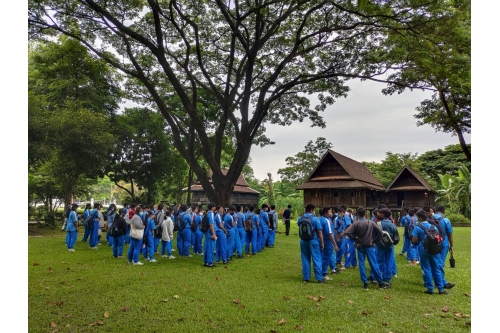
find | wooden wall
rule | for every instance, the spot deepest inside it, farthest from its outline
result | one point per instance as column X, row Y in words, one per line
column 333, row 197
column 329, row 167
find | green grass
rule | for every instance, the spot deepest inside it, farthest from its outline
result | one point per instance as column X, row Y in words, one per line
column 74, row 290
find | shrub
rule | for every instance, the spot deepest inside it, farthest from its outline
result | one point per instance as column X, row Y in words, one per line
column 457, row 218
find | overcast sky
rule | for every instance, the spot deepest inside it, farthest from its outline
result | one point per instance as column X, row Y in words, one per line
column 363, row 126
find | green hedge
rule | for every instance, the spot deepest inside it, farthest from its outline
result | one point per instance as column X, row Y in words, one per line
column 457, row 218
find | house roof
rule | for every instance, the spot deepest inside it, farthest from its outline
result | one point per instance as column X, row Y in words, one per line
column 424, row 184
column 355, row 170
column 241, row 185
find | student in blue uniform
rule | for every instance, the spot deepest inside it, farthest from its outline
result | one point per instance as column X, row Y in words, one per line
column 350, row 251
column 429, row 263
column 273, row 226
column 210, row 237
column 259, row 231
column 385, row 255
column 71, row 227
column 184, row 238
column 220, row 232
column 328, row 240
column 126, row 238
column 120, row 229
column 404, row 222
column 240, row 231
column 366, row 234
column 136, row 235
column 264, row 224
column 88, row 227
column 251, row 236
column 412, row 251
column 148, row 243
column 198, row 235
column 311, row 249
column 94, row 235
column 110, row 213
column 447, row 242
column 158, row 218
column 338, row 229
column 193, row 214
column 230, row 224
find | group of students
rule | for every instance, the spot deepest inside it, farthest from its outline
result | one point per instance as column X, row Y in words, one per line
column 337, row 229
column 225, row 231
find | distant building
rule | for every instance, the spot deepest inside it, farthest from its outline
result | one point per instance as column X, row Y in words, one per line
column 410, row 189
column 242, row 193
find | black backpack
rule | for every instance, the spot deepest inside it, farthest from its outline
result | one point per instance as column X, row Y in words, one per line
column 271, row 220
column 179, row 222
column 193, row 226
column 409, row 228
column 433, row 241
column 113, row 228
column 248, row 224
column 159, row 229
column 204, row 226
column 306, row 231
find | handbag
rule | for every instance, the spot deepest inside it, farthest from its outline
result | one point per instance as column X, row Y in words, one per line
column 452, row 260
column 136, row 233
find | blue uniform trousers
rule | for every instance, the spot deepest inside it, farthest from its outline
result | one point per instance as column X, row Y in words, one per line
column 134, row 249
column 311, row 250
column 230, row 242
column 442, row 257
column 87, row 233
column 166, row 246
column 148, row 248
column 198, row 235
column 184, row 242
column 270, row 237
column 221, row 246
column 157, row 243
column 71, row 239
column 241, row 240
column 350, row 253
column 341, row 251
column 369, row 253
column 208, row 254
column 431, row 270
column 385, row 257
column 326, row 254
column 94, row 235
column 118, row 245
column 251, row 237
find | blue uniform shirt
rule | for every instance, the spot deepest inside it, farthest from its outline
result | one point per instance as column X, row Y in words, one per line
column 326, row 227
column 70, row 223
column 150, row 226
column 228, row 221
column 211, row 220
column 241, row 218
column 446, row 226
column 420, row 234
column 315, row 224
column 264, row 219
column 218, row 220
column 186, row 218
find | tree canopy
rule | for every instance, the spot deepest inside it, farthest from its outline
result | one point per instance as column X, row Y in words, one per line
column 259, row 61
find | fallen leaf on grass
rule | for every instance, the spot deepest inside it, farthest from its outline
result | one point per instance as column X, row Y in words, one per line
column 310, row 297
column 426, row 314
column 322, row 297
column 62, row 282
column 68, row 268
column 54, row 331
column 344, row 284
column 241, row 306
column 458, row 314
column 48, row 303
column 165, row 300
column 286, row 297
column 364, row 313
column 100, row 322
column 467, row 323
column 47, row 288
column 67, row 316
column 106, row 314
column 217, row 278
column 180, row 319
column 425, row 327
column 59, row 303
column 273, row 331
column 125, row 309
column 236, row 301
column 203, row 299
column 445, row 309
column 466, row 315
column 282, row 321
column 317, row 304
column 298, row 328
column 68, row 325
column 176, row 296
column 209, row 321
column 52, row 324
column 316, row 299
column 350, row 302
column 468, row 295
column 80, row 279
column 278, row 310
column 63, row 262
column 387, row 297
column 385, row 323
column 36, row 264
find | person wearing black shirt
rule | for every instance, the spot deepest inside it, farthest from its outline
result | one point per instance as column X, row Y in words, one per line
column 286, row 219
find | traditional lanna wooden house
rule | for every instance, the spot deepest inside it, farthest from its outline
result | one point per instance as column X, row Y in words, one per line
column 242, row 193
column 410, row 189
column 339, row 180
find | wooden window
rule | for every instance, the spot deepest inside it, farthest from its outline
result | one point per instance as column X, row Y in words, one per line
column 335, row 194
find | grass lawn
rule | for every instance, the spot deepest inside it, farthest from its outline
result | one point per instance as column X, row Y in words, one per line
column 90, row 291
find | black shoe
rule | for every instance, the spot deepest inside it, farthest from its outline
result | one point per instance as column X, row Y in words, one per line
column 401, row 254
column 449, row 285
column 211, row 266
column 305, row 281
column 428, row 292
column 321, row 281
column 224, row 262
column 205, row 264
column 335, row 272
column 370, row 278
column 365, row 286
column 388, row 285
column 443, row 292
column 382, row 286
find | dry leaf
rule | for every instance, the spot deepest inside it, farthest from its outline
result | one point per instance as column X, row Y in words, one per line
column 468, row 295
column 180, row 319
column 273, row 331
column 282, row 321
column 350, row 302
column 106, row 314
column 310, row 297
column 47, row 288
column 315, row 299
column 52, row 324
column 385, row 323
column 248, row 256
column 217, row 278
column 387, row 297
column 54, row 331
column 317, row 304
column 79, row 279
column 364, row 313
column 62, row 282
column 209, row 321
column 426, row 314
column 466, row 315
column 176, row 296
column 36, row 264
column 125, row 309
column 203, row 299
column 322, row 297
column 467, row 323
column 445, row 309
column 68, row 325
column 100, row 322
column 68, row 268
column 425, row 326
column 63, row 262
column 241, row 306
column 298, row 328
column 277, row 310
column 286, row 297
column 458, row 314
column 50, row 268
column 165, row 300
column 343, row 284
column 236, row 301
column 48, row 303
column 59, row 303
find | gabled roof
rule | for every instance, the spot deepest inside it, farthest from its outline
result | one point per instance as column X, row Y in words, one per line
column 241, row 185
column 424, row 184
column 354, row 171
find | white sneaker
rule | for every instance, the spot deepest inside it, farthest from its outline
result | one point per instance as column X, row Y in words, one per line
column 94, row 248
column 171, row 257
column 164, row 256
column 327, row 278
column 153, row 260
column 71, row 250
column 201, row 254
column 173, row 250
column 190, row 255
column 418, row 262
column 138, row 263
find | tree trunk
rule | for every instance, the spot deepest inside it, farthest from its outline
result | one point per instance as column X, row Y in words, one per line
column 190, row 181
column 459, row 133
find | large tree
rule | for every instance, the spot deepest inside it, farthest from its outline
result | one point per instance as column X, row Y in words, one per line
column 436, row 57
column 388, row 168
column 258, row 59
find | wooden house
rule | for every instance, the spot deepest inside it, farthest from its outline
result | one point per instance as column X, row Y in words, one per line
column 410, row 189
column 339, row 180
column 242, row 193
